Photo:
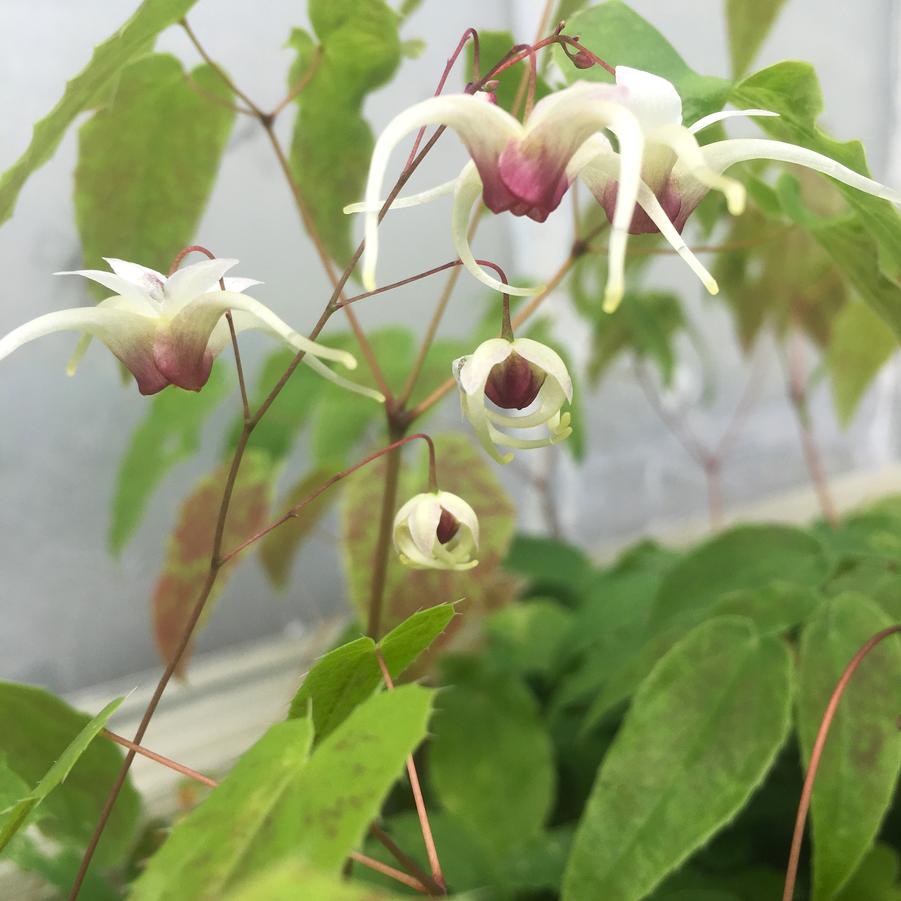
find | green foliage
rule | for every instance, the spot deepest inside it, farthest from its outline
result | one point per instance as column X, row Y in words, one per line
column 147, row 162
column 187, row 563
column 134, row 38
column 749, row 22
column 463, row 471
column 170, row 432
column 359, row 51
column 45, row 741
column 348, row 675
column 876, row 879
column 700, row 736
column 792, row 90
column 209, row 849
column 621, row 37
column 15, row 817
column 859, row 767
column 491, row 761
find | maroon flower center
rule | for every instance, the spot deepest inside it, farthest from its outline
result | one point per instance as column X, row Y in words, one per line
column 448, row 526
column 514, row 383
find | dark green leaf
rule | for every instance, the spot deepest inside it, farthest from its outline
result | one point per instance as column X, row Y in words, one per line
column 15, row 817
column 348, row 675
column 187, row 563
column 529, row 637
column 749, row 22
column 169, row 433
column 491, row 761
column 621, row 37
column 550, row 566
column 332, row 142
column 147, row 163
column 130, row 40
column 37, row 728
column 701, row 734
column 208, row 850
column 859, row 767
column 876, row 879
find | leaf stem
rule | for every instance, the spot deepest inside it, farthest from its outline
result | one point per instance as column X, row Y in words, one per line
column 302, row 82
column 389, row 871
column 791, row 872
column 158, row 758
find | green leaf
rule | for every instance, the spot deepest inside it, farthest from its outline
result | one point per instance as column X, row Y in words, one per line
column 331, row 803
column 792, row 90
column 859, row 768
column 129, row 41
column 745, row 557
column 748, row 22
column 621, row 37
column 147, row 163
column 463, row 471
column 529, row 638
column 550, row 566
column 283, row 881
column 876, row 879
column 863, row 343
column 345, row 677
column 491, row 761
column 15, row 817
column 39, row 730
column 169, row 433
column 187, row 561
column 279, row 547
column 332, row 142
column 208, row 850
column 700, row 736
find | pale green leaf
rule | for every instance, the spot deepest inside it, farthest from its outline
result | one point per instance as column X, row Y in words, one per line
column 348, row 675
column 147, row 163
column 14, row 818
column 859, row 768
column 700, row 736
column 36, row 729
column 876, row 879
column 129, row 41
column 208, row 849
column 529, row 637
column 170, row 432
column 748, row 22
column 621, row 37
column 491, row 761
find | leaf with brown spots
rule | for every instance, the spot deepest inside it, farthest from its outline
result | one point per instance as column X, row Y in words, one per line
column 188, row 557
column 463, row 471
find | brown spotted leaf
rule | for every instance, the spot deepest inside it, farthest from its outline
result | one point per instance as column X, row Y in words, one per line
column 188, row 556
column 464, row 471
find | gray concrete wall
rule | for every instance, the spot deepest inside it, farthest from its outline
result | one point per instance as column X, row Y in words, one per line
column 71, row 615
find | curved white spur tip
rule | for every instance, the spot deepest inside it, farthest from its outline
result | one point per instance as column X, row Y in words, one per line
column 736, row 195
column 352, row 208
column 711, row 285
column 369, row 278
column 612, row 298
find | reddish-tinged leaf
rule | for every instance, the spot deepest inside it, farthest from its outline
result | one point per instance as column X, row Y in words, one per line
column 188, row 557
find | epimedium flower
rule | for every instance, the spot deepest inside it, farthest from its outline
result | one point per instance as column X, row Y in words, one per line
column 168, row 330
column 676, row 172
column 513, row 374
column 515, row 167
column 436, row 530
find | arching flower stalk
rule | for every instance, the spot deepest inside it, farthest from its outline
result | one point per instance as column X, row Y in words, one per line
column 437, row 530
column 168, row 331
column 676, row 172
column 515, row 167
column 513, row 374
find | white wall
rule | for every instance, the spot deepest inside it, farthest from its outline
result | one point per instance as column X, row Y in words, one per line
column 73, row 616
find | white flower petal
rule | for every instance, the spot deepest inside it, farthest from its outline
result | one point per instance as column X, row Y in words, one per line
column 190, row 282
column 461, row 511
column 704, row 121
column 423, row 523
column 119, row 286
column 484, row 128
column 723, row 154
column 548, row 359
column 467, row 192
column 233, row 283
column 653, row 99
column 473, row 373
column 474, row 410
column 550, row 399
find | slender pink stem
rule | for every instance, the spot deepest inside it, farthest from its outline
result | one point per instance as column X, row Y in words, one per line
column 389, row 871
column 158, row 758
column 791, row 873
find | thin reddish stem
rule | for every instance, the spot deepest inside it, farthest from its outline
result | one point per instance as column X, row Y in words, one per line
column 404, row 859
column 791, row 872
column 389, row 871
column 158, row 758
column 418, row 799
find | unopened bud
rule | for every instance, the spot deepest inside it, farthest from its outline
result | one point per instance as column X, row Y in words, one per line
column 514, row 383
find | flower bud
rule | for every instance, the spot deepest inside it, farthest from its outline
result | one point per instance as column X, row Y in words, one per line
column 436, row 530
column 513, row 375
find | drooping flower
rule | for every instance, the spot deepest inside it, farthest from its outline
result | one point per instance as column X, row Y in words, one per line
column 676, row 172
column 168, row 331
column 514, row 374
column 517, row 167
column 436, row 530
